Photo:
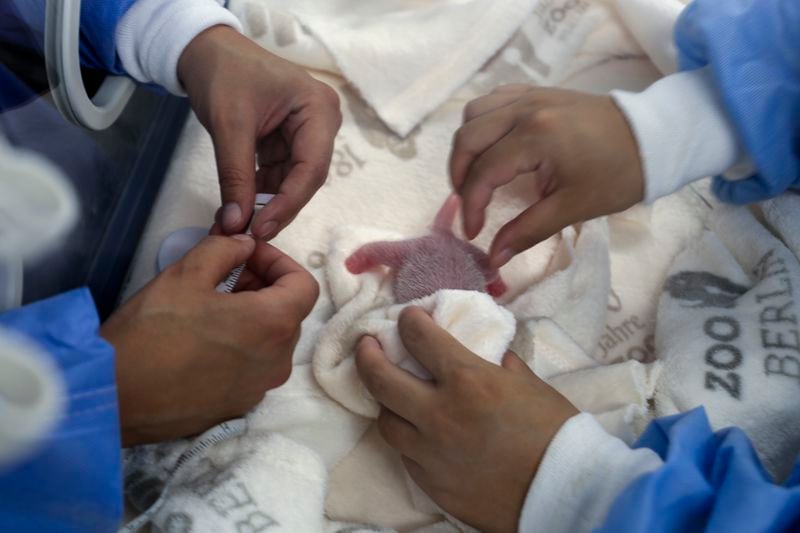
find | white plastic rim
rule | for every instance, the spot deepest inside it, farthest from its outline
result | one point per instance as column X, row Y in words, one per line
column 62, row 56
column 11, row 279
column 31, row 396
column 37, row 204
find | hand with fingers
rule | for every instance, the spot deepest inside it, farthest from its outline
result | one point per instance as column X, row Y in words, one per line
column 473, row 438
column 253, row 102
column 575, row 150
column 188, row 357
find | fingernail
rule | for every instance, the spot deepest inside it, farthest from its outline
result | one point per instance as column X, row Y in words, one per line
column 367, row 341
column 503, row 257
column 266, row 229
column 231, row 215
column 242, row 237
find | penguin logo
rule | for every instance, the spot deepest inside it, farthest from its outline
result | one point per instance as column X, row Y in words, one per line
column 704, row 289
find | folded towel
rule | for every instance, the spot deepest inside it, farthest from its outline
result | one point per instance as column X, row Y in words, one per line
column 651, row 23
column 407, row 57
column 728, row 334
column 366, row 306
column 561, row 288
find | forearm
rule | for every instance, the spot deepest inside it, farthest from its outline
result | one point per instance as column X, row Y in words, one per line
column 583, row 471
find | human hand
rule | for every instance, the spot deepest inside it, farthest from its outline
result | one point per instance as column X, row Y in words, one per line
column 252, row 102
column 576, row 151
column 474, row 437
column 188, row 357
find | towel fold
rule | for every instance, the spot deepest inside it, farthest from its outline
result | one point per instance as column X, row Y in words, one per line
column 366, row 307
column 407, row 57
column 252, row 484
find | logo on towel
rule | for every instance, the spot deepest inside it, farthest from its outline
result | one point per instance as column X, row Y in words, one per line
column 765, row 327
column 703, row 289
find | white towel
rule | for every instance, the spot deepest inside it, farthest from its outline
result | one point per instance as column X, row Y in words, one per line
column 241, row 484
column 366, row 306
column 382, row 181
column 407, row 57
column 651, row 22
column 728, row 331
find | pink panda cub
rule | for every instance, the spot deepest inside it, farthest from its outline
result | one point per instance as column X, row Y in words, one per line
column 425, row 265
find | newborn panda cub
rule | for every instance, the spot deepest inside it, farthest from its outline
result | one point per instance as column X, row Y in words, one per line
column 428, row 264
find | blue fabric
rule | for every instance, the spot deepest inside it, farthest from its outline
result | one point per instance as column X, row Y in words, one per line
column 753, row 49
column 709, row 482
column 73, row 482
column 99, row 19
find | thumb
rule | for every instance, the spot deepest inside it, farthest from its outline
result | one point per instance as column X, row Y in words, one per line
column 511, row 361
column 236, row 165
column 537, row 223
column 210, row 261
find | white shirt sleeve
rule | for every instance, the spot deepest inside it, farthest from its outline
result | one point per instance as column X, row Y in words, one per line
column 153, row 33
column 583, row 471
column 683, row 132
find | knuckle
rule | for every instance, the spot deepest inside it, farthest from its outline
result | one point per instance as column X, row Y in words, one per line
column 441, row 426
column 463, row 378
column 280, row 373
column 462, row 140
column 305, row 299
column 313, row 292
column 190, row 267
column 233, row 177
column 410, row 322
column 471, row 108
column 286, row 330
column 545, row 119
column 329, row 95
column 374, row 380
column 387, row 429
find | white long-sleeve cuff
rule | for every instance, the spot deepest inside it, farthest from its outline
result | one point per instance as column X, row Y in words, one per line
column 152, row 35
column 582, row 472
column 683, row 132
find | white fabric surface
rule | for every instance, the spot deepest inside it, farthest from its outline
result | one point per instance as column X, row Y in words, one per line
column 152, row 35
column 584, row 302
column 407, row 57
column 728, row 331
column 651, row 22
column 582, row 471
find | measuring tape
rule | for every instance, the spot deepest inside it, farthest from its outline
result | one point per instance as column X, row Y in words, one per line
column 229, row 283
column 197, row 450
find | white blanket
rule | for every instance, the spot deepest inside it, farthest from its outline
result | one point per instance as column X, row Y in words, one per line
column 728, row 331
column 584, row 302
column 407, row 57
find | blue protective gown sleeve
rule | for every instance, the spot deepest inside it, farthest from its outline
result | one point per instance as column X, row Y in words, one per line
column 99, row 19
column 709, row 482
column 73, row 481
column 753, row 49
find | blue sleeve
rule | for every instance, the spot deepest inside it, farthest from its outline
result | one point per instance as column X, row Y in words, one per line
column 73, row 482
column 709, row 482
column 99, row 20
column 753, row 49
